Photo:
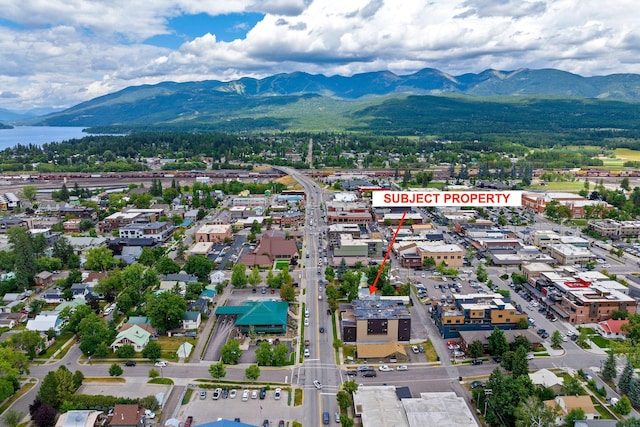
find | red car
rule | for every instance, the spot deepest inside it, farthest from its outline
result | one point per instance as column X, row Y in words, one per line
column 188, row 422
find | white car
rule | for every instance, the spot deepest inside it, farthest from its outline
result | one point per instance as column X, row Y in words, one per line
column 232, row 393
column 245, row 395
column 402, row 368
column 530, row 356
column 307, row 353
column 149, row 415
column 414, row 348
column 317, row 384
column 160, row 364
column 254, row 394
column 277, row 393
column 306, row 321
column 216, row 393
column 385, row 368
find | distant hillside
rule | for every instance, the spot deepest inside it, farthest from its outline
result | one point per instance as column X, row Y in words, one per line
column 300, row 100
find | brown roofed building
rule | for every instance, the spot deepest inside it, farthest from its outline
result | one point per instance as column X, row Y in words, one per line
column 278, row 248
column 127, row 416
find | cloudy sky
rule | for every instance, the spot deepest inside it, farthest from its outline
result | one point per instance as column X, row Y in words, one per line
column 57, row 53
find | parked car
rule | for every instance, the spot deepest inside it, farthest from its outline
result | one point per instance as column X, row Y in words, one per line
column 530, row 356
column 414, row 348
column 216, row 393
column 263, row 393
column 203, row 394
column 160, row 364
column 232, row 393
column 265, row 423
column 281, row 423
column 254, row 394
column 337, row 415
column 352, row 373
column 476, row 362
column 130, row 363
column 402, row 368
column 476, row 384
column 277, row 394
column 245, row 395
column 225, row 393
column 363, row 368
column 385, row 368
column 420, row 348
column 188, row 422
column 307, row 353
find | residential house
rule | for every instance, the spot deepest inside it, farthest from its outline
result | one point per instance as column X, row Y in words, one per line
column 45, row 321
column 566, row 404
column 80, row 418
column 547, row 379
column 191, row 320
column 613, row 329
column 135, row 335
column 52, row 296
column 9, row 201
column 7, row 222
column 44, row 278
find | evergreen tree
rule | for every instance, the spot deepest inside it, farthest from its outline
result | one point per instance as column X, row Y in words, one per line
column 25, row 264
column 609, row 371
column 634, row 392
column 342, row 268
column 624, row 383
column 64, row 193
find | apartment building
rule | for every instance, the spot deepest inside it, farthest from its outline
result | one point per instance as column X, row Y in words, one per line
column 375, row 320
column 615, row 229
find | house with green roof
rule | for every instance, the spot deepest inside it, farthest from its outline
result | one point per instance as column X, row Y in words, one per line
column 265, row 316
column 135, row 336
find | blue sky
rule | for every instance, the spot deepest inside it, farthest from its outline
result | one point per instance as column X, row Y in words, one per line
column 57, row 53
column 227, row 28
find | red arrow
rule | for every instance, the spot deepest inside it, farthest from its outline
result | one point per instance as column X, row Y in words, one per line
column 373, row 288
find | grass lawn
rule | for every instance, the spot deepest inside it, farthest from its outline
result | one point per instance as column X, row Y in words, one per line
column 60, row 341
column 430, row 352
column 170, row 345
column 588, row 330
column 297, row 397
column 599, row 341
column 348, row 351
column 627, row 154
column 280, row 265
column 571, row 186
column 604, row 414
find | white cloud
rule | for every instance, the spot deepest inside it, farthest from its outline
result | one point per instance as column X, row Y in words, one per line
column 60, row 52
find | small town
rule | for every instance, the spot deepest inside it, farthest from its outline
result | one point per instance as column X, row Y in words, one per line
column 155, row 303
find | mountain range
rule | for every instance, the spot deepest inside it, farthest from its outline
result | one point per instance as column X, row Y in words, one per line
column 285, row 101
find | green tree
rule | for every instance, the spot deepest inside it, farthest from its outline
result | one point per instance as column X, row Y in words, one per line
column 521, row 341
column 609, row 371
column 217, row 370
column 634, row 392
column 78, row 378
column 388, row 290
column 252, row 373
column 254, row 277
column 239, row 275
column 574, row 415
column 31, row 342
column 126, row 351
column 533, row 413
column 346, row 421
column 624, row 382
column 429, row 262
column 198, row 265
column 280, row 353
column 24, row 263
column 152, row 351
column 147, row 257
column 344, row 400
column 476, row 349
column 556, row 339
column 12, row 418
column 48, row 392
column 231, row 352
column 264, row 354
column 623, row 406
column 522, row 324
column 64, row 193
column 629, row 422
column 350, row 386
column 481, row 273
column 99, row 259
column 497, row 342
column 30, row 192
column 287, row 293
column 166, row 265
column 93, row 331
column 115, row 370
column 520, row 364
column 165, row 310
column 571, row 386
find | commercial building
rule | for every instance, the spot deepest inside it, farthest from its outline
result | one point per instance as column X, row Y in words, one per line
column 375, row 320
column 366, row 248
column 214, row 233
column 615, row 229
column 570, row 255
column 451, row 255
column 475, row 312
column 158, row 231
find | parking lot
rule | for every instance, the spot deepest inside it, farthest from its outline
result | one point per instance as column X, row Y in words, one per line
column 251, row 411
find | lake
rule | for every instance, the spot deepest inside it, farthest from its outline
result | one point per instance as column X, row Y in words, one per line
column 38, row 135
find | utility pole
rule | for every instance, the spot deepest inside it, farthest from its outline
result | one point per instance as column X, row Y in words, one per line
column 487, row 392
